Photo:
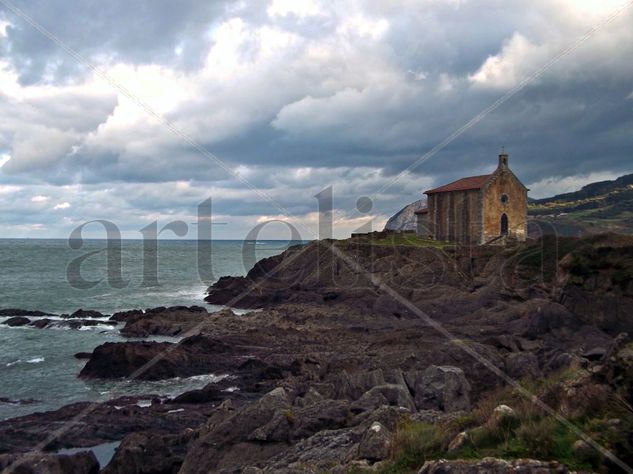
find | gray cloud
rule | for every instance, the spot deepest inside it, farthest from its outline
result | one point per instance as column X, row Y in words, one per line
column 298, row 95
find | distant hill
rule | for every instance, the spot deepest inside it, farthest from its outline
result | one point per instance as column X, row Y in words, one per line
column 604, row 206
column 404, row 219
column 593, row 190
column 597, row 207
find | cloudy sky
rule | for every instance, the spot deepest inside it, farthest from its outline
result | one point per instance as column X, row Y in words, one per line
column 136, row 111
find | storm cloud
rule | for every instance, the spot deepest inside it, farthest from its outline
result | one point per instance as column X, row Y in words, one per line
column 263, row 104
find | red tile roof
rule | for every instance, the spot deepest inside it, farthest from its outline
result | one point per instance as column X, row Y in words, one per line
column 424, row 210
column 464, row 184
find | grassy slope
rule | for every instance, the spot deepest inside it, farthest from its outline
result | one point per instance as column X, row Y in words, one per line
column 598, row 207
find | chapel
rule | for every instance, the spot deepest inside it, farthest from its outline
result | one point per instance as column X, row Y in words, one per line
column 477, row 210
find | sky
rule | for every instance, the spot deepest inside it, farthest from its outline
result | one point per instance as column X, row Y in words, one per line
column 137, row 111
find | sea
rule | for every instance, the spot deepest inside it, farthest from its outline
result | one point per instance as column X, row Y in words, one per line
column 38, row 370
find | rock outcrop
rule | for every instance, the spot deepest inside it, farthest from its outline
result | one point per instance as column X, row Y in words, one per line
column 405, row 219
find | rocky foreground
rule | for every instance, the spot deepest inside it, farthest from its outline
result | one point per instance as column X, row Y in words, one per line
column 367, row 357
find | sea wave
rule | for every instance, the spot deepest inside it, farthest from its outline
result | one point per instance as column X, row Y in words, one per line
column 34, row 360
column 168, row 388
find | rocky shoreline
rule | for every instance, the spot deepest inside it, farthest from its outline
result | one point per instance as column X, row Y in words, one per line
column 333, row 373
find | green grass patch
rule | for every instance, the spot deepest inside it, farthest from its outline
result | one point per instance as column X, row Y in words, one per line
column 531, row 433
column 395, row 239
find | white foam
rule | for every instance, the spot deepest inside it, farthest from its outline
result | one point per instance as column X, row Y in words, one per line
column 34, row 360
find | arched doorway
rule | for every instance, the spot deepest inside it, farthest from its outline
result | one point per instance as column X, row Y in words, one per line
column 504, row 224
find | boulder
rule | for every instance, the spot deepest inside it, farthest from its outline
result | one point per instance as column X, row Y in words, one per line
column 502, row 416
column 439, row 387
column 375, row 444
column 387, row 394
column 86, row 314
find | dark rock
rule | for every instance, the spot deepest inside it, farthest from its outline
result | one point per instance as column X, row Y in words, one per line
column 324, row 415
column 440, row 387
column 100, row 423
column 311, row 397
column 504, row 342
column 42, row 323
column 23, row 312
column 174, row 321
column 17, row 321
column 118, row 360
column 87, row 314
column 150, row 453
column 46, row 323
column 124, row 316
column 83, row 355
column 41, row 463
column 209, row 394
column 321, row 451
column 242, row 437
column 561, row 361
column 548, row 316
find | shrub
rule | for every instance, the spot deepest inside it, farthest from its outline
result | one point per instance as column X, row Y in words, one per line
column 538, row 437
column 414, row 443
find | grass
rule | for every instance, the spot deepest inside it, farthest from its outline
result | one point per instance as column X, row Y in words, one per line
column 415, row 443
column 402, row 239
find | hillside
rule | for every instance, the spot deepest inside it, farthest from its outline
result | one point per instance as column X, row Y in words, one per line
column 596, row 207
